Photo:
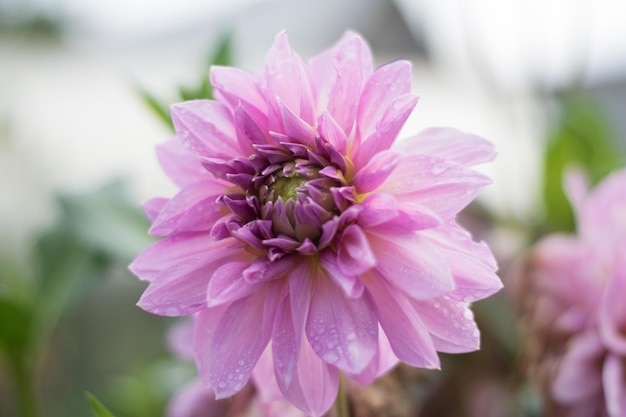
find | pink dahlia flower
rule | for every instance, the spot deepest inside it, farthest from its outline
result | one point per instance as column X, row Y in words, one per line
column 300, row 227
column 572, row 289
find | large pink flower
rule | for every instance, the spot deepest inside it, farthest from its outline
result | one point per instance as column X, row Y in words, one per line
column 573, row 289
column 298, row 226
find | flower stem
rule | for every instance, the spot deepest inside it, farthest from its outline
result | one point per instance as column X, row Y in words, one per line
column 24, row 386
column 341, row 403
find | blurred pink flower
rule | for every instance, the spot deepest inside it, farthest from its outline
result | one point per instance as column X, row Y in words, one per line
column 573, row 289
column 298, row 223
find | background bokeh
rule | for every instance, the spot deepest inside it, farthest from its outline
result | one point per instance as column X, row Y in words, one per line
column 544, row 80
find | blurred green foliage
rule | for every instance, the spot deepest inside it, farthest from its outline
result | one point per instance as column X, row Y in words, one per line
column 98, row 408
column 202, row 90
column 580, row 136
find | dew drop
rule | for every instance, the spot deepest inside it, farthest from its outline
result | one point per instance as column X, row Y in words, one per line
column 222, row 384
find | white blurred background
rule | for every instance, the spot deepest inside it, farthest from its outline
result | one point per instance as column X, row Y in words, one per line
column 71, row 116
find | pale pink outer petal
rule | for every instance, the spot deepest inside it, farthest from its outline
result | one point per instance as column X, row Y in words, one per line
column 286, row 77
column 614, row 385
column 241, row 335
column 153, row 207
column 238, row 87
column 290, row 323
column 438, row 184
column 450, row 323
column 195, row 400
column 376, row 209
column 472, row 263
column 464, row 148
column 193, row 209
column 354, row 255
column 351, row 284
column 179, row 164
column 407, row 334
column 340, row 74
column 184, row 251
column 382, row 362
column 386, row 131
column 412, row 264
column 297, row 129
column 206, row 323
column 329, row 129
column 264, row 377
column 385, row 85
column 206, row 128
column 375, row 171
column 578, row 376
column 314, row 387
column 227, row 283
column 342, row 331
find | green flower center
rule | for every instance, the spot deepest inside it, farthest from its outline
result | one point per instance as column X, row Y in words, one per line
column 287, row 187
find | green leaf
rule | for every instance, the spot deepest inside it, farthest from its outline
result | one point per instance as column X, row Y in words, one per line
column 161, row 110
column 223, row 54
column 581, row 137
column 98, row 408
column 16, row 326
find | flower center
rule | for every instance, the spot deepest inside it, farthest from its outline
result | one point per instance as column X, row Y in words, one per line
column 293, row 199
column 286, row 187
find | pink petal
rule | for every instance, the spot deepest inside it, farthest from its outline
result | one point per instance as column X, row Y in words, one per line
column 352, row 62
column 238, row 87
column 179, row 164
column 182, row 289
column 206, row 323
column 375, row 171
column 240, row 337
column 343, row 331
column 382, row 362
column 184, row 251
column 291, row 317
column 294, row 127
column 446, row 143
column 193, row 209
column 450, row 323
column 227, row 284
column 330, row 130
column 377, row 209
column 249, row 132
column 351, row 285
column 354, row 255
column 438, row 184
column 153, row 206
column 264, row 377
column 206, row 128
column 286, row 78
column 412, row 264
column 314, row 387
column 472, row 264
column 386, row 131
column 407, row 334
column 614, row 386
column 385, row 85
column 578, row 375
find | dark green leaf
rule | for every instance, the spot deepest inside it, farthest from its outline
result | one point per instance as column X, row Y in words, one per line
column 98, row 408
column 16, row 331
